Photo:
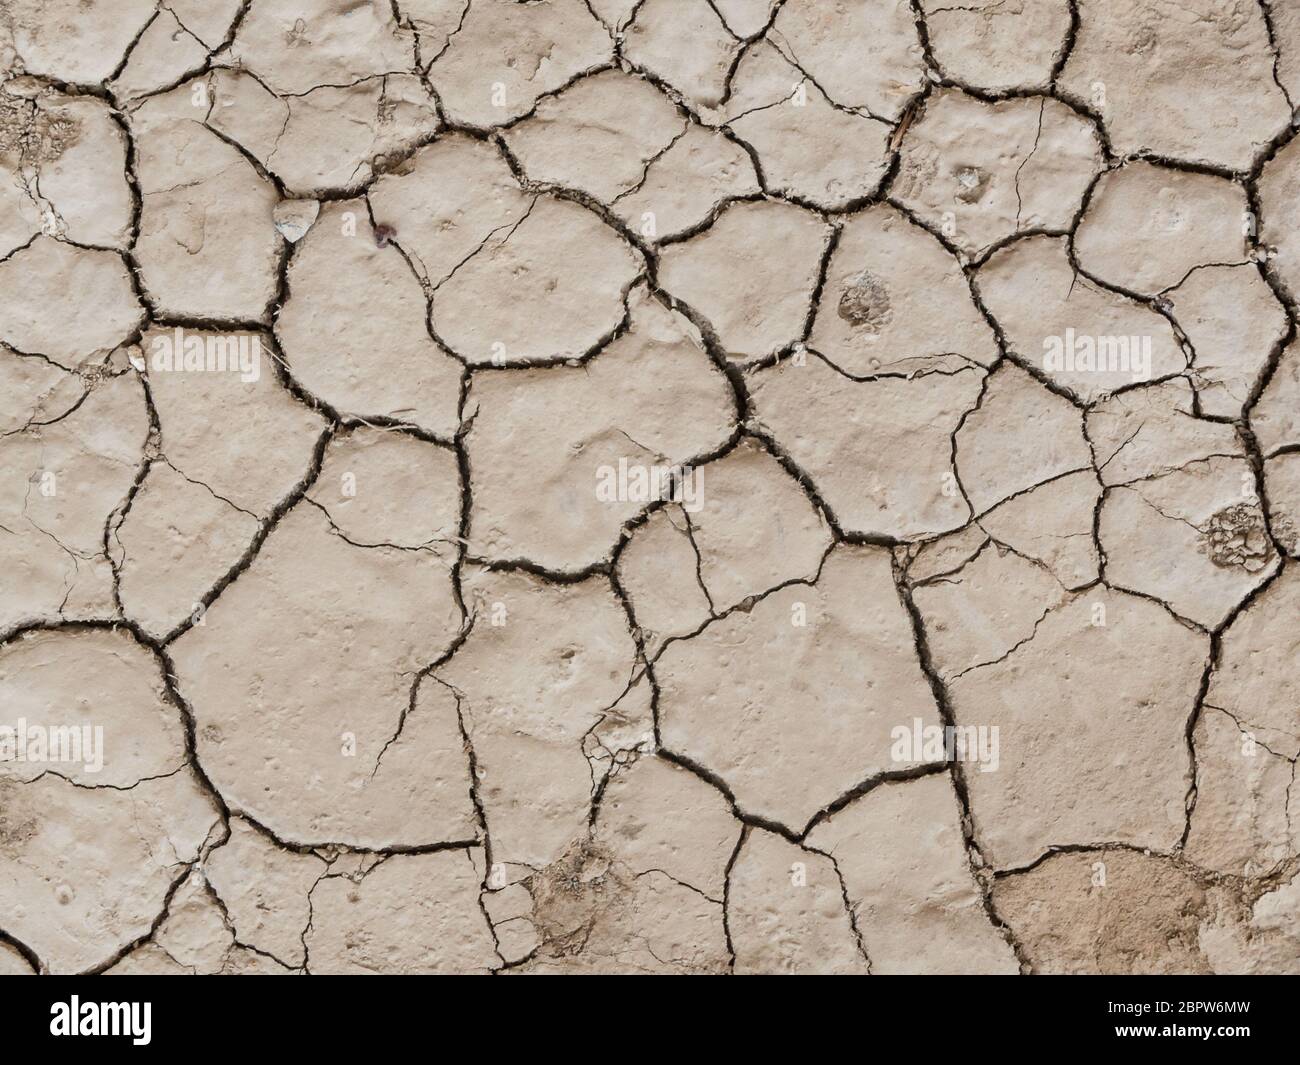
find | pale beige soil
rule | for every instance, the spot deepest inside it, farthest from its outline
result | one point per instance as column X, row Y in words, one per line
column 641, row 425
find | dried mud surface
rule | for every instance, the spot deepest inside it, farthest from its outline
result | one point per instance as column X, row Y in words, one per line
column 649, row 486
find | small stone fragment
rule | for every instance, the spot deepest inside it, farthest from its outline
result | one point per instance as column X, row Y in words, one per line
column 293, row 218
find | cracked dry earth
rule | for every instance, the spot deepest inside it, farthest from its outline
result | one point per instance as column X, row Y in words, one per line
column 520, row 487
